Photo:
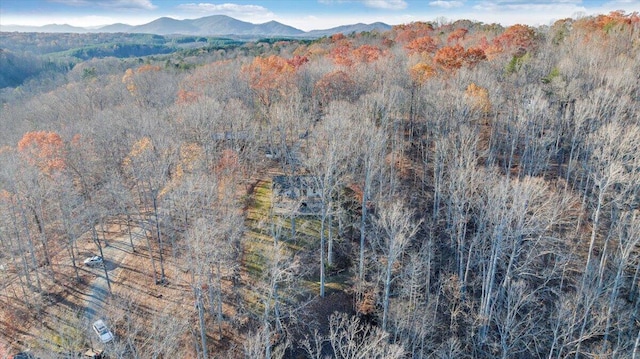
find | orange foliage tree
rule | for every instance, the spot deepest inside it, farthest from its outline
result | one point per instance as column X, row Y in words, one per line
column 450, row 57
column 517, row 37
column 408, row 32
column 615, row 21
column 453, row 57
column 334, row 85
column 338, row 37
column 421, row 72
column 185, row 97
column 367, row 53
column 457, row 35
column 344, row 55
column 424, row 44
column 297, row 61
column 341, row 54
column 129, row 76
column 479, row 98
column 271, row 75
column 616, row 18
column 474, row 55
column 44, row 150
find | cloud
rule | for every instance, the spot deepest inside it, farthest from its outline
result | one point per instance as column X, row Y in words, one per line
column 377, row 4
column 112, row 4
column 519, row 5
column 446, row 4
column 386, row 4
column 129, row 4
column 532, row 12
column 72, row 2
column 228, row 9
column 525, row 5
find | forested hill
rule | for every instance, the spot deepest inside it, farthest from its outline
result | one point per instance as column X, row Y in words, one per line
column 438, row 190
column 24, row 56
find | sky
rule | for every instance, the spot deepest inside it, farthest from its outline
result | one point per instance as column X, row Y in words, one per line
column 303, row 14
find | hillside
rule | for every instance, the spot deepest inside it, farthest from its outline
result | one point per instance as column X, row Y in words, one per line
column 16, row 69
column 436, row 190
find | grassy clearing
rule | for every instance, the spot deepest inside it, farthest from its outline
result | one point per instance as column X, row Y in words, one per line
column 261, row 227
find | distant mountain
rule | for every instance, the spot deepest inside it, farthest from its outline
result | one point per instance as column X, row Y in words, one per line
column 46, row 28
column 119, row 27
column 166, row 26
column 225, row 25
column 348, row 29
column 215, row 25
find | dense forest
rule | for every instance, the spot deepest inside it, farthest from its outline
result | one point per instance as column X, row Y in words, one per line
column 439, row 190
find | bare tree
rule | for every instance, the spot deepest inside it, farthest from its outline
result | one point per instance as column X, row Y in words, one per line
column 396, row 226
column 351, row 339
column 372, row 147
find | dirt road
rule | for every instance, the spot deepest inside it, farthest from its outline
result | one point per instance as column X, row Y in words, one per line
column 115, row 252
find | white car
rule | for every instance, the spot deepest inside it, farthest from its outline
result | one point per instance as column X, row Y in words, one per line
column 103, row 332
column 93, row 261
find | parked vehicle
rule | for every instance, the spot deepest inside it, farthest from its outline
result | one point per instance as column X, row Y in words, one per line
column 93, row 261
column 103, row 332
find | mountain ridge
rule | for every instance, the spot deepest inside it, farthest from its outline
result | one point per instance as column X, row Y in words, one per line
column 214, row 25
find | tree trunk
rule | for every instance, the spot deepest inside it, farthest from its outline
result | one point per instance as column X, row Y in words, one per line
column 219, row 299
column 636, row 346
column 153, row 261
column 594, row 230
column 96, row 240
column 203, row 333
column 363, row 221
column 157, row 220
column 32, row 250
column 133, row 249
column 322, row 240
column 330, row 239
column 488, row 283
column 39, row 217
column 387, row 290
